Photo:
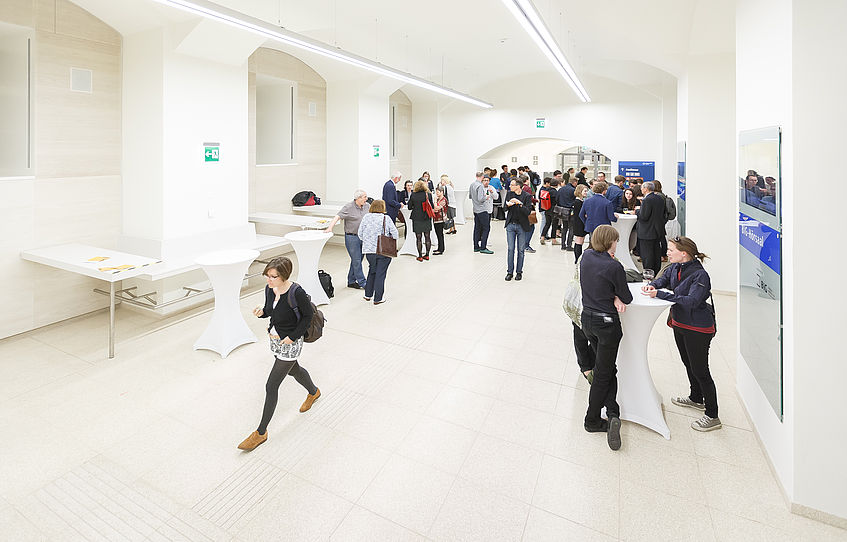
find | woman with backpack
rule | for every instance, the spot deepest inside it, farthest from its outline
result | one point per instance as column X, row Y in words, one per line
column 693, row 323
column 286, row 332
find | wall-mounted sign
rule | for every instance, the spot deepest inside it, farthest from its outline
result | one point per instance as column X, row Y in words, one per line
column 376, row 151
column 212, row 151
column 514, row 159
column 645, row 171
column 539, row 122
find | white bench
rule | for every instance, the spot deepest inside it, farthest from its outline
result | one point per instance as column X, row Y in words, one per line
column 297, row 221
column 324, row 209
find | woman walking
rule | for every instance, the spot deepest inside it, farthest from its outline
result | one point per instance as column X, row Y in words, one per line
column 693, row 323
column 374, row 224
column 286, row 333
column 421, row 221
column 440, row 209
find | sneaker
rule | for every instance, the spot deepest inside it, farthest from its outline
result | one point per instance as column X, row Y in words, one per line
column 380, row 302
column 706, row 424
column 251, row 442
column 530, row 250
column 310, row 400
column 543, row 241
column 686, row 402
column 508, row 276
column 614, row 435
column 355, row 286
column 602, row 428
column 518, row 276
column 477, row 249
column 486, row 251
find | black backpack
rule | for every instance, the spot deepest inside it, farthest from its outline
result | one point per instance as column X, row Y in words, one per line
column 326, row 283
column 305, row 197
column 316, row 326
column 670, row 208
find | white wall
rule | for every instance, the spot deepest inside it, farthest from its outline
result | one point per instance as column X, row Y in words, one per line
column 425, row 119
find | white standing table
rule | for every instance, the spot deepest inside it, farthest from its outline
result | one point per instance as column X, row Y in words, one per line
column 461, row 200
column 624, row 225
column 227, row 330
column 637, row 396
column 410, row 246
column 308, row 245
column 111, row 266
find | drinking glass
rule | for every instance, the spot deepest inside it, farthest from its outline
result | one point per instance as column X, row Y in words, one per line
column 648, row 275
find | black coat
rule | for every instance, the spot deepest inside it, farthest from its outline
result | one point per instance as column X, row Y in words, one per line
column 519, row 213
column 651, row 217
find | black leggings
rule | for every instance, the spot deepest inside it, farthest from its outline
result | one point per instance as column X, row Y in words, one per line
column 282, row 368
column 418, row 235
column 439, row 234
column 694, row 350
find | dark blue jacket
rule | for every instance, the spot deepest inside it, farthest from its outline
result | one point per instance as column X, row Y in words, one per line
column 392, row 202
column 614, row 194
column 595, row 211
column 691, row 287
column 565, row 196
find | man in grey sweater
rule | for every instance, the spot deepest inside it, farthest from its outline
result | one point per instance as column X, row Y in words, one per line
column 482, row 197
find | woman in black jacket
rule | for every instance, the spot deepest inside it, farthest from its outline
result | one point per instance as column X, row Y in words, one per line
column 421, row 221
column 577, row 225
column 518, row 207
column 286, row 333
column 693, row 323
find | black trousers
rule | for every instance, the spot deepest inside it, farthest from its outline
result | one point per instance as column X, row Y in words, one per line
column 280, row 369
column 439, row 234
column 567, row 231
column 585, row 353
column 694, row 350
column 551, row 224
column 606, row 334
column 648, row 249
column 481, row 228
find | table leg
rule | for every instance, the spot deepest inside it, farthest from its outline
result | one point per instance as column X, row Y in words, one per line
column 111, row 320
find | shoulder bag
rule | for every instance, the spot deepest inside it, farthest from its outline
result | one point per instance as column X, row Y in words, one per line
column 385, row 244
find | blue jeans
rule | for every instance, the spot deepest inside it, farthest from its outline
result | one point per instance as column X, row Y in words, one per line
column 355, row 275
column 529, row 234
column 377, row 269
column 481, row 227
column 515, row 239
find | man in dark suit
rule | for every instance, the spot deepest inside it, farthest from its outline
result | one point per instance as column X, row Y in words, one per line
column 389, row 195
column 581, row 176
column 651, row 227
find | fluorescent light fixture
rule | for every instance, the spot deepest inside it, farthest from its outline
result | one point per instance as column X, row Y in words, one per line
column 525, row 13
column 234, row 18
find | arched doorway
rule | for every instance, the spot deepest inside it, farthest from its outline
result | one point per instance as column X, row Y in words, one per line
column 545, row 155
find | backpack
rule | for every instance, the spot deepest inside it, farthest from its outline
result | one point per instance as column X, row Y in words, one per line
column 670, row 208
column 304, row 198
column 546, row 203
column 316, row 326
column 326, row 283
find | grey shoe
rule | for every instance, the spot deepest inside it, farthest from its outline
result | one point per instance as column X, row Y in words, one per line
column 686, row 402
column 614, row 435
column 706, row 424
column 530, row 250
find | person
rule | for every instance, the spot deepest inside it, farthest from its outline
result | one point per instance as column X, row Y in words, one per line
column 569, row 174
column 403, row 195
column 425, row 178
column 548, row 192
column 565, row 198
column 482, row 196
column 286, row 333
column 523, row 178
column 596, row 211
column 605, row 294
column 374, row 224
column 577, row 225
column 650, row 227
column 586, row 354
column 518, row 207
column 615, row 191
column 628, row 202
column 440, row 209
column 693, row 323
column 663, row 239
column 421, row 221
column 452, row 204
column 389, row 196
column 494, row 181
column 352, row 213
column 580, row 177
column 505, row 176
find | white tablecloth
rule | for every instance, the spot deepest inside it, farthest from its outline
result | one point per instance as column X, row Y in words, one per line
column 624, row 226
column 308, row 245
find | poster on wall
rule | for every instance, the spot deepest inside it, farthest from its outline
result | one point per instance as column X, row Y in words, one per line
column 760, row 259
column 642, row 171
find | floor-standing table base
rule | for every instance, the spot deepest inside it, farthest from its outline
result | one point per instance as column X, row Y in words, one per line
column 624, row 226
column 308, row 245
column 227, row 330
column 410, row 246
column 461, row 199
column 638, row 398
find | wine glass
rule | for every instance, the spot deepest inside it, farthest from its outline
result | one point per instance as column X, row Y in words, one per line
column 648, row 275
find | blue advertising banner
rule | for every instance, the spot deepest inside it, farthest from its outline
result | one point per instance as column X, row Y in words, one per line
column 645, row 171
column 680, row 180
column 761, row 241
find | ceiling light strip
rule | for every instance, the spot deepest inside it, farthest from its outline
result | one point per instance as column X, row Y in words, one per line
column 528, row 17
column 234, row 18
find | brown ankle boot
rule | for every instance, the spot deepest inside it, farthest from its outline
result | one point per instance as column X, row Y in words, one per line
column 310, row 400
column 251, row 442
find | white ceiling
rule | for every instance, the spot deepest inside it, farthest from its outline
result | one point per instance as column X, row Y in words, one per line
column 472, row 44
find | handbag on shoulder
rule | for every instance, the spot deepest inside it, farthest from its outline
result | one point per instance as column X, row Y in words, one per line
column 427, row 207
column 385, row 244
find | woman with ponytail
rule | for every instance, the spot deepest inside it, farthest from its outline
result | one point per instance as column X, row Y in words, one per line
column 693, row 323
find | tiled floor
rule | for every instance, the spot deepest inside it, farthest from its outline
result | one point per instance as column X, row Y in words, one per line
column 452, row 412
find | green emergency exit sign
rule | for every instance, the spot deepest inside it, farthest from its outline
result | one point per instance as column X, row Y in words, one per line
column 539, row 123
column 212, row 154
